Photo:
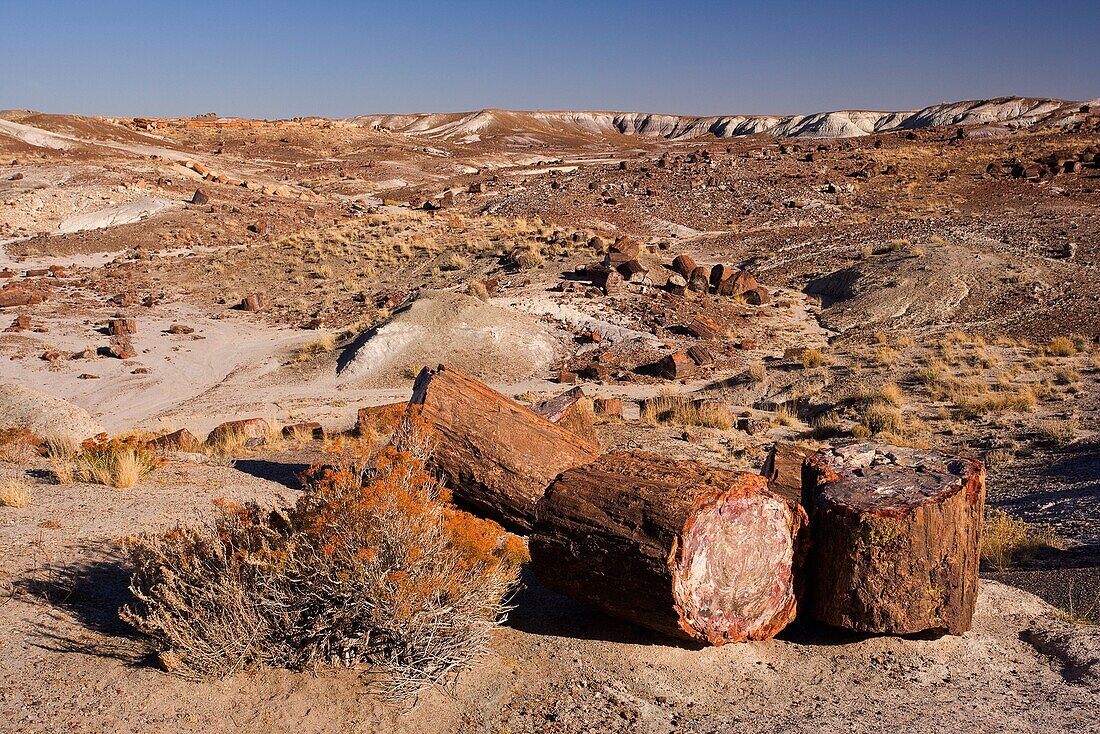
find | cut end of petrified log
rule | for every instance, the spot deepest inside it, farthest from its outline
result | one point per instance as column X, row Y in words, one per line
column 886, row 480
column 732, row 574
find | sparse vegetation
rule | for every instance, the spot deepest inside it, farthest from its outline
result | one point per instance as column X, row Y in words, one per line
column 1061, row 346
column 1058, row 432
column 14, row 493
column 311, row 350
column 117, row 462
column 1006, row 539
column 371, row 567
column 672, row 407
column 811, row 358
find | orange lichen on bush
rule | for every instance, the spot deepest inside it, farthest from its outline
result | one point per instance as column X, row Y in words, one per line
column 18, row 445
column 370, row 567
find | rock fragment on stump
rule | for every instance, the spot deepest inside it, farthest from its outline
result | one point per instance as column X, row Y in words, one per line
column 242, row 430
column 677, row 546
column 896, row 538
column 497, row 455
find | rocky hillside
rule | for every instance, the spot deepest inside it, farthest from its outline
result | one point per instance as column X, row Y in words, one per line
column 1010, row 112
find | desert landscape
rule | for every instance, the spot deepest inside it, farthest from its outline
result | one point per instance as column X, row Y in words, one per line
column 762, row 423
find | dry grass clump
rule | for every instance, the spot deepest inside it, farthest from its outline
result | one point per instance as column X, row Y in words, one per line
column 1006, row 539
column 811, row 358
column 1060, row 346
column 323, row 345
column 61, row 445
column 13, row 493
column 19, row 446
column 1058, row 432
column 757, row 372
column 999, row 459
column 878, row 409
column 671, row 407
column 372, row 567
column 116, row 462
column 973, row 404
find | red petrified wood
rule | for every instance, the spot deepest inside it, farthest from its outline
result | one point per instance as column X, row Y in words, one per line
column 497, row 455
column 896, row 538
column 677, row 546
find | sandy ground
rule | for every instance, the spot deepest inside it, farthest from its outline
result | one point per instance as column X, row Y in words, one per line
column 68, row 664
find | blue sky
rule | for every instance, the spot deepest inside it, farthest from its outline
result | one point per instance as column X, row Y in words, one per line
column 342, row 58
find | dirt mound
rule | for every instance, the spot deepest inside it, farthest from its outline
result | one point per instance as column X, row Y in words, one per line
column 905, row 288
column 44, row 415
column 488, row 342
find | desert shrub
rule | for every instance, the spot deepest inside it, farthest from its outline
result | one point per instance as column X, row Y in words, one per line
column 813, row 358
column 61, row 445
column 1006, row 538
column 757, row 372
column 18, row 445
column 671, row 407
column 972, row 406
column 1061, row 346
column 13, row 493
column 372, row 567
column 121, row 461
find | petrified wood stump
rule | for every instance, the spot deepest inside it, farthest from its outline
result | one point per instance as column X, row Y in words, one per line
column 896, row 538
column 677, row 546
column 497, row 455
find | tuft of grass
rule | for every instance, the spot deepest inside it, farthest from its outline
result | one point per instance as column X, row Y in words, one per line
column 811, row 358
column 13, row 493
column 999, row 459
column 116, row 462
column 323, row 345
column 61, row 446
column 672, row 408
column 757, row 372
column 1060, row 346
column 1006, row 539
column 1058, row 432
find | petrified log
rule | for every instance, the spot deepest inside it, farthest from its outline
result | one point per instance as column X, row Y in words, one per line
column 247, row 430
column 497, row 455
column 573, row 411
column 675, row 366
column 896, row 538
column 677, row 546
column 783, row 469
column 684, row 265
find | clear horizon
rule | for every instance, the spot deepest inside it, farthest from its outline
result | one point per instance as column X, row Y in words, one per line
column 341, row 59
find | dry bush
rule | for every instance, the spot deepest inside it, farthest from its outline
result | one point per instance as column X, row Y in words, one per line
column 372, row 567
column 813, row 358
column 757, row 372
column 1006, row 539
column 20, row 446
column 117, row 462
column 13, row 493
column 881, row 418
column 1060, row 346
column 1066, row 375
column 477, row 289
column 785, row 415
column 672, row 407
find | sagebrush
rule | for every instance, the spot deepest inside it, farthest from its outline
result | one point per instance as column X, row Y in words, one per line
column 372, row 568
